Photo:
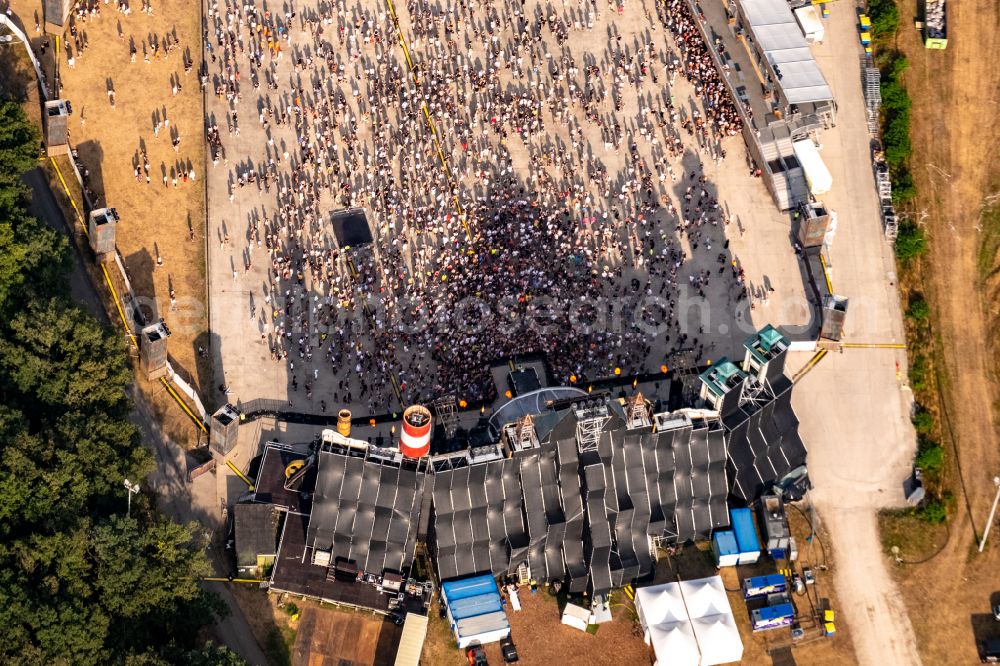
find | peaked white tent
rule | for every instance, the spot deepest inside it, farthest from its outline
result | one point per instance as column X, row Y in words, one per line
column 689, row 623
column 705, row 596
column 718, row 639
column 675, row 640
column 661, row 604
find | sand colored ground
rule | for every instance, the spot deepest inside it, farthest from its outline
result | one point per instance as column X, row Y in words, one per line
column 156, row 220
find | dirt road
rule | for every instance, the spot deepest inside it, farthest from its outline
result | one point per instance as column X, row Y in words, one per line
column 853, row 408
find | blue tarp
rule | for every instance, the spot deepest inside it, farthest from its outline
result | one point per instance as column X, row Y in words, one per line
column 743, row 528
column 473, row 606
column 468, row 587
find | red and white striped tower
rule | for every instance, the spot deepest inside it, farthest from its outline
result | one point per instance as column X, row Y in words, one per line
column 415, row 440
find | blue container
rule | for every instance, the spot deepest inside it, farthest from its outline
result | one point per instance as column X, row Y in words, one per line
column 746, row 535
column 727, row 553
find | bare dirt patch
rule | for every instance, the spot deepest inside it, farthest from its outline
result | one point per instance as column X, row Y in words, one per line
column 329, row 637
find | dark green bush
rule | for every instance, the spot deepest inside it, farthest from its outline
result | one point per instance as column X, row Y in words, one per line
column 923, row 422
column 919, row 309
column 910, row 242
column 933, row 511
column 930, row 459
column 885, row 17
column 919, row 373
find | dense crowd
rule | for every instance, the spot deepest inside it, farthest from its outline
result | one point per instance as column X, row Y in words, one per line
column 524, row 195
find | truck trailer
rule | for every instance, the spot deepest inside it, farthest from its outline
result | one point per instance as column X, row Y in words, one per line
column 936, row 24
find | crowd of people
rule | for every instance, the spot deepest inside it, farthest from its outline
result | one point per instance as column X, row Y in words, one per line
column 532, row 183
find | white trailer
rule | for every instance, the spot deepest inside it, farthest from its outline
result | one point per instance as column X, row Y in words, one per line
column 817, row 175
column 811, row 24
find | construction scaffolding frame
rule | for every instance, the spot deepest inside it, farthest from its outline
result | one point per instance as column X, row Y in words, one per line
column 872, row 81
column 589, row 424
column 637, row 412
column 445, row 408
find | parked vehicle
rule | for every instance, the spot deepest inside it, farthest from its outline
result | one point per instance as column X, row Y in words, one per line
column 989, row 651
column 936, row 24
column 508, row 651
column 476, row 655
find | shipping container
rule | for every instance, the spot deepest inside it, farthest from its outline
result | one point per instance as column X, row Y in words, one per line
column 746, row 535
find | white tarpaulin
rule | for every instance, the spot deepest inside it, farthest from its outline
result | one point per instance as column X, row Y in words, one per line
column 576, row 616
column 817, row 175
column 690, row 623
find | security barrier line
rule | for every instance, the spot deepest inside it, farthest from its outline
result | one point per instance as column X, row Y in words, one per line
column 819, row 356
column 187, row 410
column 240, row 474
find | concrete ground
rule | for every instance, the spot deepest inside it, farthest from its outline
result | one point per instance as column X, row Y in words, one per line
column 758, row 239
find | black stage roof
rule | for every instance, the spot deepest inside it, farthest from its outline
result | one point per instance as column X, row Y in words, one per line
column 578, row 497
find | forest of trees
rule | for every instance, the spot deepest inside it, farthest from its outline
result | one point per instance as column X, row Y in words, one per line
column 80, row 581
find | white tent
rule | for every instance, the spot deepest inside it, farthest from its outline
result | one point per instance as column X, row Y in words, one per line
column 674, row 644
column 812, row 25
column 660, row 604
column 718, row 639
column 690, row 623
column 705, row 596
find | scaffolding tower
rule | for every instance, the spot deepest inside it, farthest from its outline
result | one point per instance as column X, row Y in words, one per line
column 445, row 408
column 637, row 412
column 589, row 424
column 521, row 434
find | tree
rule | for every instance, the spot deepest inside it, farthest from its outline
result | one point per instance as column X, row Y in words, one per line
column 208, row 654
column 18, row 143
column 79, row 582
column 919, row 309
column 910, row 242
column 59, row 357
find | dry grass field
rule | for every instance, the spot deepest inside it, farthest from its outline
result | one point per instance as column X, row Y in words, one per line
column 955, row 168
